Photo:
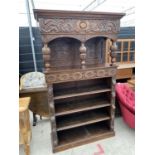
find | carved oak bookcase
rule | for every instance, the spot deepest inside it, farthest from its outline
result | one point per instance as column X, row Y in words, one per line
column 80, row 84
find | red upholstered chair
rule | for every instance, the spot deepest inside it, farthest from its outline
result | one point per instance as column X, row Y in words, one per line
column 126, row 98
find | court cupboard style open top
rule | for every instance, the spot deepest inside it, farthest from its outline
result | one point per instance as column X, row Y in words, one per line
column 81, row 92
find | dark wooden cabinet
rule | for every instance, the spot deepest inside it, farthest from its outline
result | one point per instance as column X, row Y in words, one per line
column 80, row 84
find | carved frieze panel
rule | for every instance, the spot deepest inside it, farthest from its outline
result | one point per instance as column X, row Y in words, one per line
column 78, row 26
column 57, row 77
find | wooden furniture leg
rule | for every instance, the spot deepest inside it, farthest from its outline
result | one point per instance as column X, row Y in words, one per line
column 25, row 136
column 34, row 119
column 27, row 149
column 24, row 123
column 40, row 117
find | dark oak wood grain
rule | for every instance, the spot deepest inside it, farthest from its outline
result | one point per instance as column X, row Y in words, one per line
column 39, row 100
column 79, row 106
column 84, row 91
column 81, row 120
column 81, row 91
column 82, row 135
column 81, row 88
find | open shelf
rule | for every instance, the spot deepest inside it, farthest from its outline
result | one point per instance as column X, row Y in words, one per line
column 82, row 118
column 80, row 92
column 81, row 88
column 82, row 135
column 82, row 103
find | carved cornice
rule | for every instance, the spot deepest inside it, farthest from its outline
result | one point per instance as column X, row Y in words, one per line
column 40, row 13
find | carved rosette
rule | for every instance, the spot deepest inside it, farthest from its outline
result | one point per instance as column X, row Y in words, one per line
column 47, row 57
column 90, row 74
column 83, row 55
column 52, row 115
column 63, row 77
column 113, row 48
column 77, row 76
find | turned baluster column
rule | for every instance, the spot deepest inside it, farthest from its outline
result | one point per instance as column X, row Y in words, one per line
column 47, row 57
column 113, row 48
column 83, row 54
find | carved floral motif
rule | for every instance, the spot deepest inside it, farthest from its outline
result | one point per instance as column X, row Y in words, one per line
column 63, row 77
column 78, row 26
column 100, row 73
column 90, row 74
column 80, row 75
column 77, row 75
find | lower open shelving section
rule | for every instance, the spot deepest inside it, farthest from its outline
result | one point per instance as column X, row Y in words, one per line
column 82, row 112
column 82, row 135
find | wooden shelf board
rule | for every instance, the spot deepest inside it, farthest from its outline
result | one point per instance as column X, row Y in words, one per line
column 82, row 135
column 78, row 120
column 80, row 92
column 79, row 106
